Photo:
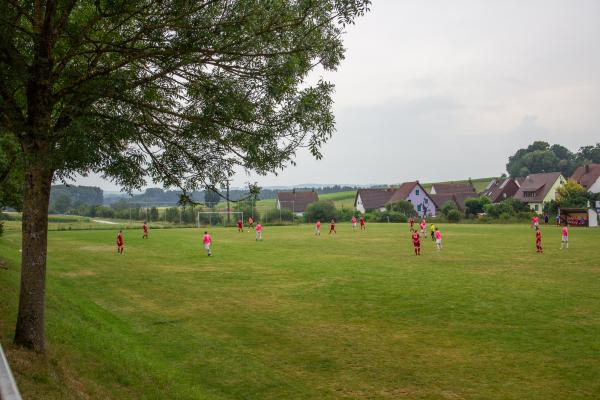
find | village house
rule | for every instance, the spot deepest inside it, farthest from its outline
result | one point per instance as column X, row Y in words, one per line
column 502, row 188
column 296, row 201
column 538, row 189
column 588, row 176
column 452, row 188
column 378, row 199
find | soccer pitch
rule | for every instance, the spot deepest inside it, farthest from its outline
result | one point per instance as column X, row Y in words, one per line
column 349, row 316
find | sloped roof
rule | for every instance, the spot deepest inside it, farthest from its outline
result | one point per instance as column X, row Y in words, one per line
column 441, row 199
column 500, row 189
column 374, row 198
column 457, row 198
column 297, row 201
column 403, row 191
column 445, row 188
column 538, row 183
column 587, row 175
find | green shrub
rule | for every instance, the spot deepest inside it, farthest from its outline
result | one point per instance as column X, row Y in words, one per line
column 274, row 215
column 385, row 216
column 447, row 207
column 321, row 210
column 454, row 215
column 403, row 207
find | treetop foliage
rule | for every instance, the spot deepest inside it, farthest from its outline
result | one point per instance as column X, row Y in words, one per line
column 181, row 91
column 540, row 157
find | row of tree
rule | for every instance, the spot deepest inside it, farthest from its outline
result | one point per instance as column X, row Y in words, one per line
column 542, row 157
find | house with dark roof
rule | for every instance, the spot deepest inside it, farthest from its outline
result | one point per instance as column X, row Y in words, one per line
column 501, row 189
column 457, row 198
column 588, row 176
column 378, row 199
column 451, row 188
column 296, row 201
column 538, row 189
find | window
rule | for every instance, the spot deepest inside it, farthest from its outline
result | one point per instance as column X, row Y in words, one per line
column 417, row 192
column 528, row 194
column 419, row 207
column 426, row 200
column 537, row 207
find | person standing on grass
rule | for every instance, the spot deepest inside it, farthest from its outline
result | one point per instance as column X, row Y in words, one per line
column 354, row 222
column 438, row 239
column 538, row 240
column 416, row 241
column 240, row 225
column 258, row 231
column 411, row 222
column 332, row 227
column 565, row 237
column 120, row 242
column 423, row 225
column 432, row 228
column 145, row 230
column 250, row 222
column 318, row 228
column 535, row 221
column 207, row 241
column 362, row 224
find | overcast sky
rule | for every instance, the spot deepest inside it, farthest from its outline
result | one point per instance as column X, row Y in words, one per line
column 438, row 90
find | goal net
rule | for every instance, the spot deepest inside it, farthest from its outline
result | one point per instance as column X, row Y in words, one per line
column 218, row 218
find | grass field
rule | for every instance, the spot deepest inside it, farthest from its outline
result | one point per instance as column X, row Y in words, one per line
column 351, row 316
column 479, row 184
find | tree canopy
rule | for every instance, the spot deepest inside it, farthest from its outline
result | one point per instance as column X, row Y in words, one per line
column 179, row 92
column 542, row 157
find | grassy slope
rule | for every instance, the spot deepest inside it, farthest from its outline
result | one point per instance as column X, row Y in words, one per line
column 298, row 316
column 340, row 199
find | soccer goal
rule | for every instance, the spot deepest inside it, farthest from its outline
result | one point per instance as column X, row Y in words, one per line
column 214, row 218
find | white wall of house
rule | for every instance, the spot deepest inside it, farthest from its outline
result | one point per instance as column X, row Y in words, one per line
column 595, row 188
column 551, row 195
column 360, row 207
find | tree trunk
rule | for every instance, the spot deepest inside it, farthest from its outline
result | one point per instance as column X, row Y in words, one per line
column 30, row 320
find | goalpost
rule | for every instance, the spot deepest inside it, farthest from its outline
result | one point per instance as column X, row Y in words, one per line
column 212, row 218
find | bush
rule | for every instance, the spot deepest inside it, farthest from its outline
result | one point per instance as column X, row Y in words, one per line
column 454, row 215
column 345, row 214
column 447, row 207
column 275, row 215
column 403, row 207
column 321, row 210
column 475, row 205
column 385, row 216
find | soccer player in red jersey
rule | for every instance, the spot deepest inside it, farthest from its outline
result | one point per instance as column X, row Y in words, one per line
column 416, row 239
column 250, row 223
column 332, row 227
column 240, row 225
column 411, row 221
column 120, row 242
column 538, row 240
column 145, row 230
column 362, row 223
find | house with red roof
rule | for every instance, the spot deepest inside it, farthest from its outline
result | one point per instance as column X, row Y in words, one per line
column 296, row 201
column 378, row 199
column 588, row 176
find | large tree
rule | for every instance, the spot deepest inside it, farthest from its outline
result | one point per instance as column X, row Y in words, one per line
column 175, row 91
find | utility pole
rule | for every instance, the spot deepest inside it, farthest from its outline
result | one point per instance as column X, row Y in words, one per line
column 228, row 210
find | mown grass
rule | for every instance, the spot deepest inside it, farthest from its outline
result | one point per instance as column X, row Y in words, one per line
column 340, row 199
column 296, row 316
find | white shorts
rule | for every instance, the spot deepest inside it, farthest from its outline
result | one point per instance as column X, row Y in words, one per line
column 354, row 225
column 207, row 246
column 438, row 241
column 565, row 239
